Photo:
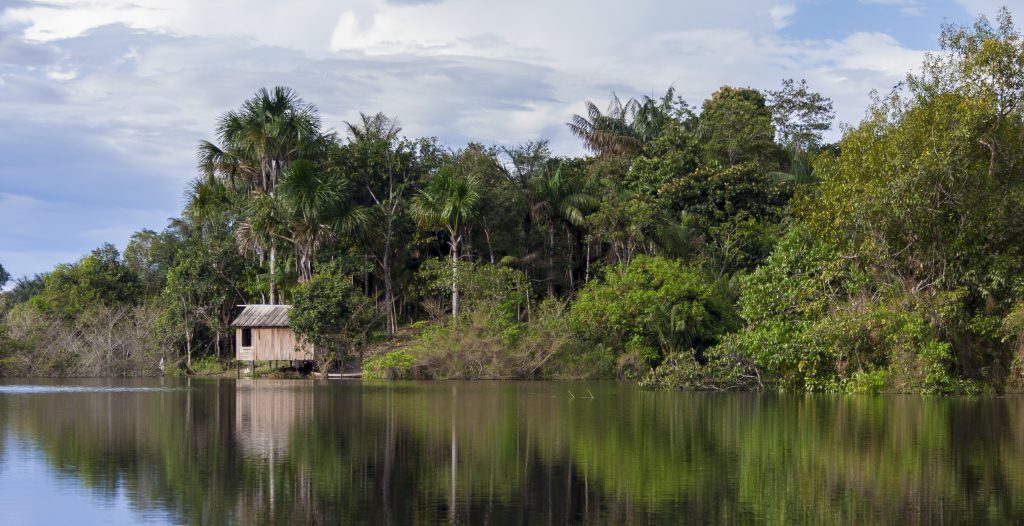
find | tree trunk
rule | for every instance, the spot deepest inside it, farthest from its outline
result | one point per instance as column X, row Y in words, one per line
column 188, row 348
column 527, row 230
column 572, row 259
column 455, row 277
column 551, row 262
column 586, row 272
column 389, row 298
column 273, row 281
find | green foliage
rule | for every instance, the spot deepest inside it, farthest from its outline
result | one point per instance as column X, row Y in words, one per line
column 449, row 201
column 332, row 314
column 495, row 292
column 150, row 255
column 199, row 292
column 738, row 126
column 4, row 276
column 719, row 371
column 814, row 322
column 925, row 194
column 651, row 308
column 483, row 346
column 99, row 278
column 800, row 116
column 208, row 366
column 391, row 365
column 25, row 289
column 626, row 128
column 734, row 211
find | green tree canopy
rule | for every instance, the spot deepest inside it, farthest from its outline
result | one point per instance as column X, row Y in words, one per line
column 332, row 314
column 650, row 308
column 99, row 278
column 738, row 125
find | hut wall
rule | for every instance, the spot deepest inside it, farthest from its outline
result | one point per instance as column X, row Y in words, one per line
column 272, row 343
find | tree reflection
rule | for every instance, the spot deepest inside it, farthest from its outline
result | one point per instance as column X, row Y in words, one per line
column 265, row 452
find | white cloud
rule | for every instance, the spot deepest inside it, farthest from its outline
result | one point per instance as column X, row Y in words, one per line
column 781, row 13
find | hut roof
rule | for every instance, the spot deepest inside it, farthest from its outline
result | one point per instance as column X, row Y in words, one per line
column 263, row 316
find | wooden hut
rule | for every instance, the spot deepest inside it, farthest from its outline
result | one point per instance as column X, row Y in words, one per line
column 262, row 333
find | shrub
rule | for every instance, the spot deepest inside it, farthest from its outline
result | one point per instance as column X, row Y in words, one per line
column 208, row 365
column 478, row 347
column 649, row 309
column 392, row 365
column 815, row 322
column 120, row 340
column 718, row 373
column 332, row 314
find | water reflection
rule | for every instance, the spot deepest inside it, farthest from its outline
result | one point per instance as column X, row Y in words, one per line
column 273, row 452
column 267, row 412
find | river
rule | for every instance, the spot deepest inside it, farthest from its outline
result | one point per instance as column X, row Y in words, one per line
column 348, row 452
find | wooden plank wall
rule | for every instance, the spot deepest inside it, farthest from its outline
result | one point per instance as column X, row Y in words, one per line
column 272, row 343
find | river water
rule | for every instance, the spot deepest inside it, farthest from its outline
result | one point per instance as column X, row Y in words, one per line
column 349, row 452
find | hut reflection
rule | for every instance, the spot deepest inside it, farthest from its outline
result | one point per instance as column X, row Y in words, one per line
column 266, row 412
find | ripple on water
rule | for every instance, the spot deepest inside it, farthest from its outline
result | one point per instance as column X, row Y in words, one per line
column 50, row 389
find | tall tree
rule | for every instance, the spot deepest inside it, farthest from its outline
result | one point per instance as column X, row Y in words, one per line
column 559, row 201
column 387, row 168
column 800, row 115
column 257, row 143
column 150, row 255
column 520, row 165
column 449, row 201
column 625, row 127
column 610, row 132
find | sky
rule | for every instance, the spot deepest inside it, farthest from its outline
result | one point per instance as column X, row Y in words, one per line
column 102, row 102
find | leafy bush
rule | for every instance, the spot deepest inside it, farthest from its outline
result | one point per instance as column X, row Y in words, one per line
column 392, row 365
column 332, row 314
column 718, row 373
column 817, row 323
column 649, row 309
column 478, row 347
column 99, row 278
column 208, row 365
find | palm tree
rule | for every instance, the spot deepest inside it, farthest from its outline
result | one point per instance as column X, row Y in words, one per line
column 257, row 143
column 319, row 205
column 449, row 201
column 207, row 199
column 376, row 127
column 558, row 200
column 625, row 127
column 608, row 133
column 259, row 233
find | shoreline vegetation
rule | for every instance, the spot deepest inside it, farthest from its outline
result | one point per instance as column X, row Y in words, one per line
column 719, row 247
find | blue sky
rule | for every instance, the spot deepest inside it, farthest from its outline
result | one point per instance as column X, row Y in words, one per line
column 102, row 102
